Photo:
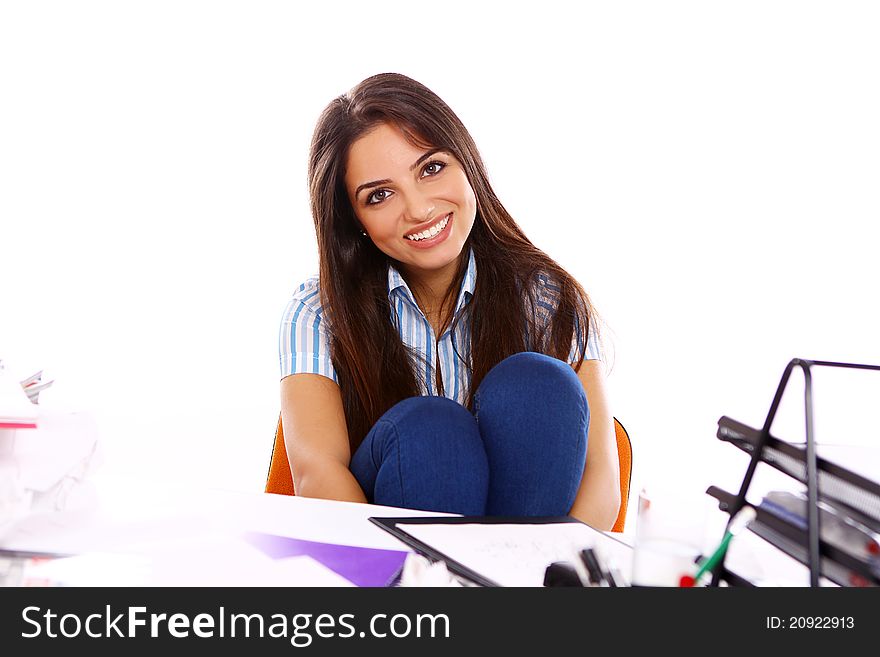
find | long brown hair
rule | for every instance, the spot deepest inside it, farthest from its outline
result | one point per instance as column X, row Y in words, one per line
column 374, row 368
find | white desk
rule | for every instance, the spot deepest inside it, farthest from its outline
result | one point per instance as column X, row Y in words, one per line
column 194, row 537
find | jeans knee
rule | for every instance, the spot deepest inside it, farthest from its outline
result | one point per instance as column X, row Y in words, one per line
column 530, row 376
column 430, row 418
column 425, row 453
column 427, row 409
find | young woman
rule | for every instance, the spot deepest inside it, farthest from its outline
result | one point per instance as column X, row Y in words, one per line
column 439, row 361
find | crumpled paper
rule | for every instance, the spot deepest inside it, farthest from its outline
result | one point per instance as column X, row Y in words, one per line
column 418, row 571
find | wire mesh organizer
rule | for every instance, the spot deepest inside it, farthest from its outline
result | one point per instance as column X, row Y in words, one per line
column 835, row 532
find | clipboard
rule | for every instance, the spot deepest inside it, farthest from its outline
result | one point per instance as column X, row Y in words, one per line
column 397, row 528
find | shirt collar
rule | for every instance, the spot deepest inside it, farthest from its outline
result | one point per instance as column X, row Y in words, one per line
column 395, row 281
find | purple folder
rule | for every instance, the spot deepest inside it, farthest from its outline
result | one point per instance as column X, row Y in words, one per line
column 361, row 566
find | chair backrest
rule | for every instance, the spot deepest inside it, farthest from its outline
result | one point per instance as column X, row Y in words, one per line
column 280, row 480
column 624, row 453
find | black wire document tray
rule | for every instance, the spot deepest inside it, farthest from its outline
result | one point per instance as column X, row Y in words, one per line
column 842, row 561
column 834, row 527
column 859, row 495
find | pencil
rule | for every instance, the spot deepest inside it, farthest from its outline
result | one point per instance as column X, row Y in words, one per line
column 742, row 518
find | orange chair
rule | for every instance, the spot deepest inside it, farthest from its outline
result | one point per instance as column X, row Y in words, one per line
column 280, row 481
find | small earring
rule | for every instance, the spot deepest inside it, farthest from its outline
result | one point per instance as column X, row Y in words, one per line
column 363, row 233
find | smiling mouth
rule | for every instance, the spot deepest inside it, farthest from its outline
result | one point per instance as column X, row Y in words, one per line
column 433, row 231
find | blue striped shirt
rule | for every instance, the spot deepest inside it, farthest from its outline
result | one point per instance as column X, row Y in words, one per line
column 303, row 343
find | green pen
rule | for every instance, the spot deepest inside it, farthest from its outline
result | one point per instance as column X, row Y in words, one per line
column 742, row 518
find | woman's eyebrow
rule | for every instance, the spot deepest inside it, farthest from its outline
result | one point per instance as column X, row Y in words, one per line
column 376, row 183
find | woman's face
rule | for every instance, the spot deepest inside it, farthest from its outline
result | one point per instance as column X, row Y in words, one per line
column 415, row 204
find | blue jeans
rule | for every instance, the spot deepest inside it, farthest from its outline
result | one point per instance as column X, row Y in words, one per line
column 521, row 453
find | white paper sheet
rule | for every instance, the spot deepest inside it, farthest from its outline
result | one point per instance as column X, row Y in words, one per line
column 509, row 554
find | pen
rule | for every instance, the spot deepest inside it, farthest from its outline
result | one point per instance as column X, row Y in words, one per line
column 742, row 518
column 608, row 568
column 578, row 566
column 597, row 576
column 615, row 577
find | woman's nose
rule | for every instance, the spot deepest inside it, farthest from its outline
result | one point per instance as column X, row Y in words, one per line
column 419, row 208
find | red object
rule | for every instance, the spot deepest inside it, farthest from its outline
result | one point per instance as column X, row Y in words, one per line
column 686, row 581
column 857, row 580
column 18, row 425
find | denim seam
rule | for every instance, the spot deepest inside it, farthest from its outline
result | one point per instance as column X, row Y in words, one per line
column 399, row 467
column 585, row 433
column 373, row 446
column 393, row 427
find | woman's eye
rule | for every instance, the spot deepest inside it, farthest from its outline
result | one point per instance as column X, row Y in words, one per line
column 377, row 197
column 431, row 169
column 435, row 167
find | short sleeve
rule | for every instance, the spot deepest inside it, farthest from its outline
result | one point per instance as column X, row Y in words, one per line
column 303, row 341
column 547, row 300
column 594, row 349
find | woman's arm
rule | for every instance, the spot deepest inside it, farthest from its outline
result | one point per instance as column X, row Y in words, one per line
column 316, row 438
column 597, row 502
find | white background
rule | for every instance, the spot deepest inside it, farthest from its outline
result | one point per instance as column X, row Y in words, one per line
column 708, row 171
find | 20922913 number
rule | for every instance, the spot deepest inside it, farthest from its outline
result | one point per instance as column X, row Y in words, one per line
column 810, row 623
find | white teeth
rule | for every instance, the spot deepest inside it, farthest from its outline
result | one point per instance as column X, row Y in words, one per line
column 430, row 232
